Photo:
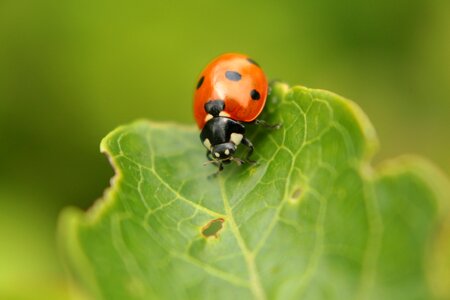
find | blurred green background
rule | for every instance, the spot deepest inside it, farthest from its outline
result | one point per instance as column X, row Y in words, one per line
column 71, row 71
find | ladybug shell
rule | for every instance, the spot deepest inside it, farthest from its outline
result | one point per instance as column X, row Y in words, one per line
column 238, row 81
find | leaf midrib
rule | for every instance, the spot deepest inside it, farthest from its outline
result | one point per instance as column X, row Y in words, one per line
column 255, row 281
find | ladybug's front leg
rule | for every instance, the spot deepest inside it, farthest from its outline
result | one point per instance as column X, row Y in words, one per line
column 220, row 165
column 216, row 163
column 208, row 155
column 249, row 144
column 211, row 159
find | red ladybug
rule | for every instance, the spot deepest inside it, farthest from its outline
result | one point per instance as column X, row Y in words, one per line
column 231, row 91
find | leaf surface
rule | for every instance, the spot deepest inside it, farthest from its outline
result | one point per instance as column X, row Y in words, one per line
column 312, row 220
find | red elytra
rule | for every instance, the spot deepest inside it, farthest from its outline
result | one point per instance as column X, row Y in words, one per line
column 238, row 81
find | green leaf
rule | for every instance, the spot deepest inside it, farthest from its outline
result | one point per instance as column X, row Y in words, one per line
column 313, row 220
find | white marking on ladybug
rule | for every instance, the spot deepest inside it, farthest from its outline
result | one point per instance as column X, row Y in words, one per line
column 236, row 138
column 207, row 144
column 217, row 154
column 224, row 114
column 208, row 117
column 227, row 152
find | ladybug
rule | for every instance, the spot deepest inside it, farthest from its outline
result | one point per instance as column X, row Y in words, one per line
column 230, row 92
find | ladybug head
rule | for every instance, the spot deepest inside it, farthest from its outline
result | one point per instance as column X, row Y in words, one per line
column 223, row 152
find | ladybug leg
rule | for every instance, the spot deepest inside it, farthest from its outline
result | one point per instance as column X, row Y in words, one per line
column 214, row 175
column 267, row 125
column 216, row 163
column 249, row 144
column 211, row 160
column 238, row 161
column 208, row 155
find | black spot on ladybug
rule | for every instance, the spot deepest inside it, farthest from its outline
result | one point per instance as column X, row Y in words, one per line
column 200, row 82
column 252, row 61
column 233, row 76
column 255, row 95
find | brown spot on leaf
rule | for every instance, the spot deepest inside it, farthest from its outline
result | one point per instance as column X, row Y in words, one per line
column 212, row 228
column 296, row 194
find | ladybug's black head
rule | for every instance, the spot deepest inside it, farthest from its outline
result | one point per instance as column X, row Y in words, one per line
column 223, row 152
